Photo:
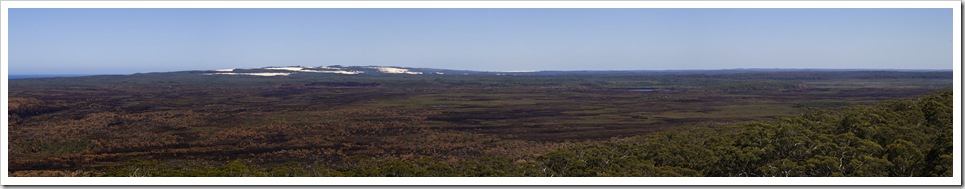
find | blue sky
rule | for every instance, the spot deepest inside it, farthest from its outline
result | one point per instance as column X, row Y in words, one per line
column 123, row 41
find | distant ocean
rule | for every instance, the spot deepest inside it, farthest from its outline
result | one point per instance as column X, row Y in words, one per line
column 43, row 76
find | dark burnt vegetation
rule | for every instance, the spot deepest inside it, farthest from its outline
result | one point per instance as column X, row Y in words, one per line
column 866, row 123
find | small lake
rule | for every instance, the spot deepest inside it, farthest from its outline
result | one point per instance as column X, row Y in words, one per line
column 642, row 89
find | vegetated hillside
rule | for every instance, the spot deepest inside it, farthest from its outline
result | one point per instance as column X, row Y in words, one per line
column 897, row 138
column 320, row 124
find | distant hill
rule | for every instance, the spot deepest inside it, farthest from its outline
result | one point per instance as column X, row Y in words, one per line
column 44, row 76
column 278, row 71
column 353, row 70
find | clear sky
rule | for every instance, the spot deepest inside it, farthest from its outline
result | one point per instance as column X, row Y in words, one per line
column 123, row 41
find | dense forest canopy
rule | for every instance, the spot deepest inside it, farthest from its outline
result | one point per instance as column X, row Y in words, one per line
column 719, row 125
column 897, row 138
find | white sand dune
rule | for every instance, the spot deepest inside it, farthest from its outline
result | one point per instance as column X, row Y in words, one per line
column 287, row 68
column 252, row 74
column 335, row 72
column 395, row 70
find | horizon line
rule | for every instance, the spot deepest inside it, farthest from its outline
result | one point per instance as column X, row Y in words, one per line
column 531, row 71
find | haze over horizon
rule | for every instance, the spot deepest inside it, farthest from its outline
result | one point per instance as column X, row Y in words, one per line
column 125, row 41
column 41, row 75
